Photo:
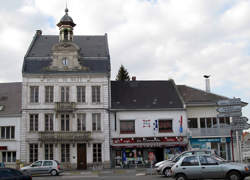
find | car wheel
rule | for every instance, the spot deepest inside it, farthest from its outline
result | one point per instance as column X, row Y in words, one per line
column 53, row 172
column 167, row 172
column 181, row 177
column 233, row 176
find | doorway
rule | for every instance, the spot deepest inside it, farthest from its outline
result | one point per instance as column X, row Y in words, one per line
column 81, row 156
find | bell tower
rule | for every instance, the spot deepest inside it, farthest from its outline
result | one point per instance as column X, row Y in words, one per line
column 66, row 26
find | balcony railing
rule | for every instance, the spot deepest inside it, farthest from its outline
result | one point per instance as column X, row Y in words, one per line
column 62, row 136
column 65, row 106
column 200, row 132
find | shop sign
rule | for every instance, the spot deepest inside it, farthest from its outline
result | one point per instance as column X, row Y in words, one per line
column 199, row 140
column 146, row 140
column 3, row 148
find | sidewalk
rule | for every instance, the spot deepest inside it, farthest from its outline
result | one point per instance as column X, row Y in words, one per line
column 109, row 172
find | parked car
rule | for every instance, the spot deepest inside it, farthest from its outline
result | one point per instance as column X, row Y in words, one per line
column 10, row 174
column 164, row 167
column 43, row 167
column 208, row 167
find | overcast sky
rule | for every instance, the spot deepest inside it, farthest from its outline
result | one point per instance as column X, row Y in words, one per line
column 153, row 39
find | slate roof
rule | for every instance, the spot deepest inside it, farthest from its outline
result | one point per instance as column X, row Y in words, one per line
column 10, row 98
column 144, row 95
column 94, row 53
column 193, row 96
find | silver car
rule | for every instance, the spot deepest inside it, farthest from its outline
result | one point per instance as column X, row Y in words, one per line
column 52, row 167
column 164, row 167
column 208, row 167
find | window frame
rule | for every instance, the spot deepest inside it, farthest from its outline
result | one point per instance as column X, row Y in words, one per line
column 97, row 153
column 81, row 122
column 49, row 94
column 48, row 151
column 165, row 130
column 96, row 94
column 65, row 93
column 65, row 152
column 127, row 128
column 5, row 157
column 65, row 122
column 33, row 155
column 81, row 94
column 7, row 132
column 34, row 122
column 34, row 94
column 48, row 122
column 190, row 122
column 96, row 122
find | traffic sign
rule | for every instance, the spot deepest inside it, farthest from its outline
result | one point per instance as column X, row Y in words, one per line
column 232, row 114
column 229, row 102
column 229, row 109
column 240, row 119
column 241, row 126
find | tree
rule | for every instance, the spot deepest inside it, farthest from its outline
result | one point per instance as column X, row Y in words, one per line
column 122, row 74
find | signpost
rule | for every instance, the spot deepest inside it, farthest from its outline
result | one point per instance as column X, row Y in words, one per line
column 232, row 108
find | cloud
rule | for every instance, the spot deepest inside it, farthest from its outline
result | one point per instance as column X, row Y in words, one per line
column 158, row 39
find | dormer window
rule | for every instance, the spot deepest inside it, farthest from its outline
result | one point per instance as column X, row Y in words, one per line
column 65, row 61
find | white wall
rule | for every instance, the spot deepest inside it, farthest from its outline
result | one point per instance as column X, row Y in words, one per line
column 139, row 116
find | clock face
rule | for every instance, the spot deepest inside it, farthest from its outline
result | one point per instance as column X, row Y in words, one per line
column 65, row 61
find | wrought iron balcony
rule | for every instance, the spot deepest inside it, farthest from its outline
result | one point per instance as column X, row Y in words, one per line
column 62, row 136
column 65, row 106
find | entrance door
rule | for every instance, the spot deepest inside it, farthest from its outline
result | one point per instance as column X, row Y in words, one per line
column 81, row 156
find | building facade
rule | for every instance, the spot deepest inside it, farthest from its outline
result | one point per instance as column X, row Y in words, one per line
column 65, row 99
column 10, row 119
column 148, row 122
column 205, row 130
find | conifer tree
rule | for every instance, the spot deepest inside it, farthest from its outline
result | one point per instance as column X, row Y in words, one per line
column 122, row 74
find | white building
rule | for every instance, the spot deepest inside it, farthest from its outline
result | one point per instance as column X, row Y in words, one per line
column 10, row 118
column 65, row 99
column 148, row 122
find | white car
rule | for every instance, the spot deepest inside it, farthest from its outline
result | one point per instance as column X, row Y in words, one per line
column 52, row 167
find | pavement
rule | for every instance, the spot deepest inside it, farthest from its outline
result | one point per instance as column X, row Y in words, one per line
column 110, row 172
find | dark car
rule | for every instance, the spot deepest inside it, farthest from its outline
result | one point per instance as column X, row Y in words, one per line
column 13, row 174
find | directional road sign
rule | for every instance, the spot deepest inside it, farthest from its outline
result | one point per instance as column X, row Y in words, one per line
column 229, row 102
column 240, row 119
column 241, row 127
column 229, row 109
column 232, row 114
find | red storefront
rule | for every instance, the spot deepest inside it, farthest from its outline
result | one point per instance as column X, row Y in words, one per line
column 140, row 151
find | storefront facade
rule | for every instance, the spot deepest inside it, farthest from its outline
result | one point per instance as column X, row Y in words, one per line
column 221, row 145
column 142, row 151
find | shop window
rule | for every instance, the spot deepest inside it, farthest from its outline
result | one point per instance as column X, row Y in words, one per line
column 97, row 153
column 96, row 122
column 81, row 122
column 49, row 94
column 65, row 152
column 127, row 126
column 165, row 125
column 48, row 148
column 7, row 132
column 34, row 94
column 9, row 156
column 33, row 152
column 192, row 123
column 48, row 122
column 81, row 94
column 33, row 122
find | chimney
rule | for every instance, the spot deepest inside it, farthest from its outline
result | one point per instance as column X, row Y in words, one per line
column 207, row 81
column 39, row 32
column 133, row 78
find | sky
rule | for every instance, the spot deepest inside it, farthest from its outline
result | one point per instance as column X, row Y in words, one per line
column 153, row 39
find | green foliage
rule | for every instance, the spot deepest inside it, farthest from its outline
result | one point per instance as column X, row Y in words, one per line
column 122, row 74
